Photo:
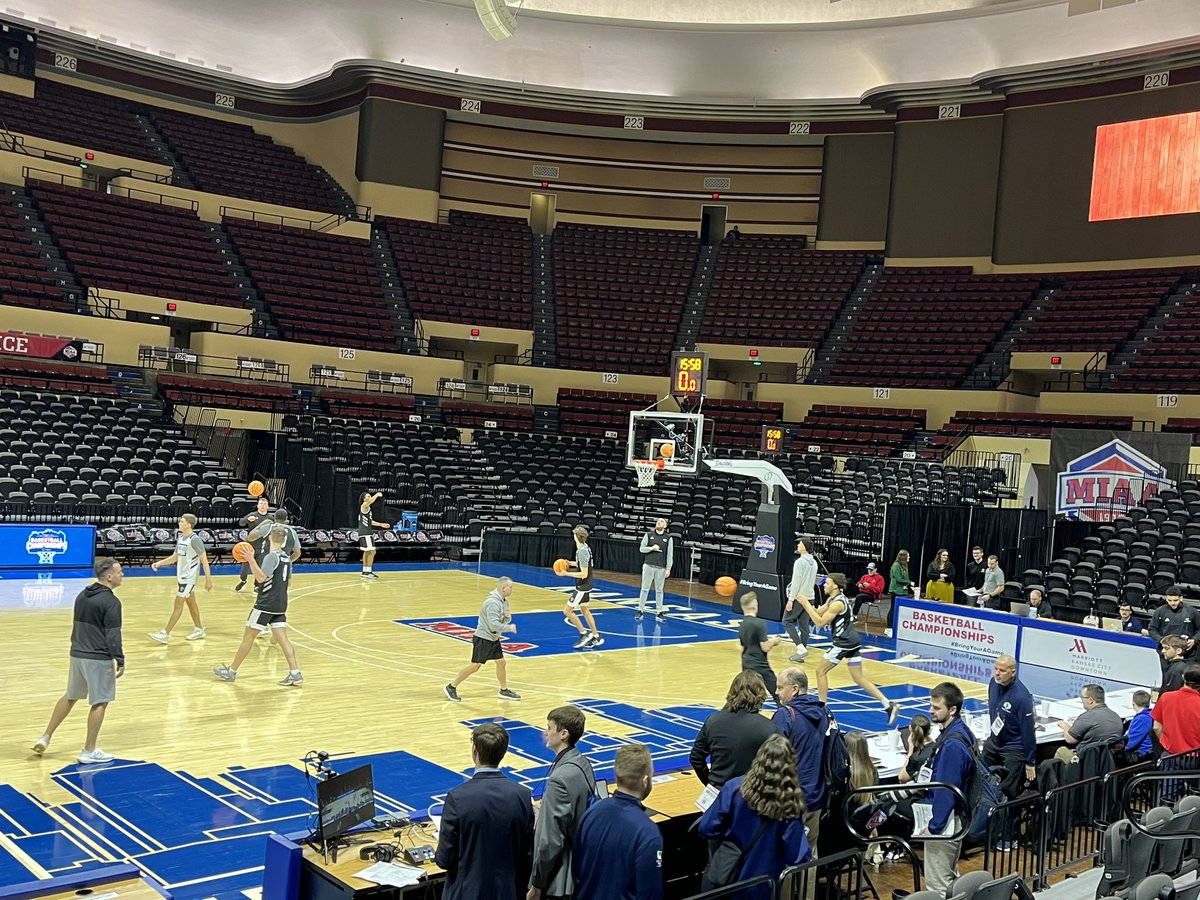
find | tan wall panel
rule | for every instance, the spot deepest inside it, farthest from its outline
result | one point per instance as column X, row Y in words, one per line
column 12, row 84
column 121, row 339
column 199, row 312
column 586, row 147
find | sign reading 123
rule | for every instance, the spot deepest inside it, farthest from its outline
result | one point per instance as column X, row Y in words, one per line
column 689, row 373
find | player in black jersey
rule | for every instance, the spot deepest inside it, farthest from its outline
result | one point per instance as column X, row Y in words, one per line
column 838, row 613
column 250, row 521
column 270, row 609
column 366, row 531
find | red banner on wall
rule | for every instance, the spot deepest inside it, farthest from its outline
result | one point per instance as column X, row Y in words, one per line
column 39, row 346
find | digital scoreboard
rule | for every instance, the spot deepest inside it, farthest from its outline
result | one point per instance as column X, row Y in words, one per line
column 689, row 374
column 772, row 439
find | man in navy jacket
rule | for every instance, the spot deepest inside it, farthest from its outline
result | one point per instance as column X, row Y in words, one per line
column 618, row 851
column 1012, row 742
column 953, row 763
column 486, row 838
column 803, row 720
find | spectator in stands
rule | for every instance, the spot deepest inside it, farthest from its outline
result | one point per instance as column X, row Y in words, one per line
column 1012, row 741
column 803, row 584
column 991, row 594
column 752, row 634
column 1038, row 607
column 730, row 738
column 733, row 234
column 658, row 549
column 976, row 566
column 939, row 578
column 1174, row 617
column 1139, row 743
column 1173, row 649
column 1097, row 725
column 568, row 788
column 866, row 814
column 900, row 582
column 763, row 813
column 97, row 659
column 1130, row 623
column 618, row 852
column 953, row 763
column 802, row 718
column 1177, row 715
column 486, row 837
column 870, row 586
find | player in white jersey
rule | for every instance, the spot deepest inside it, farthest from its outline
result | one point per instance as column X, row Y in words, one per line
column 189, row 557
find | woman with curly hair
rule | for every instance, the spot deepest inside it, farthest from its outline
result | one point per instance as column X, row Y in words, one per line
column 763, row 814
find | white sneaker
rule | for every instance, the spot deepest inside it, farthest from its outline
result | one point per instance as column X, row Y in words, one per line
column 42, row 743
column 800, row 654
column 94, row 756
column 161, row 636
column 196, row 635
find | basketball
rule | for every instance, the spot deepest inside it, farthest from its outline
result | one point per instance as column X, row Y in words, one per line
column 561, row 565
column 243, row 550
column 726, row 586
column 256, row 488
column 666, row 451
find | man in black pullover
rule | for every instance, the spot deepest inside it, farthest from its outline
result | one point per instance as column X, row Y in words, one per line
column 97, row 659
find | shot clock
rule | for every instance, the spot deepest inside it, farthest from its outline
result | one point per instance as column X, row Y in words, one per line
column 772, row 439
column 689, row 374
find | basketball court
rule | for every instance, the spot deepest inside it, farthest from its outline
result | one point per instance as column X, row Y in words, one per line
column 205, row 769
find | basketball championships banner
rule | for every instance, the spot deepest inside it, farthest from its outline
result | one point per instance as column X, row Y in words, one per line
column 1099, row 474
column 14, row 343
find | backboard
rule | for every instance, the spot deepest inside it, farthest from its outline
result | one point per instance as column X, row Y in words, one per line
column 649, row 431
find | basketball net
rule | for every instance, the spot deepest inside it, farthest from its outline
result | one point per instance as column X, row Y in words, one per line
column 646, row 470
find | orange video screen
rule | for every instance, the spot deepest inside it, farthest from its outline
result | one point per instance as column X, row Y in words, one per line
column 1150, row 167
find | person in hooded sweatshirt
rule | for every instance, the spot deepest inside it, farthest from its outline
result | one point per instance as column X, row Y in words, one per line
column 803, row 720
column 97, row 659
column 494, row 620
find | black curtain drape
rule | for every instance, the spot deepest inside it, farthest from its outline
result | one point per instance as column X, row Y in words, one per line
column 608, row 553
column 1019, row 537
column 1071, row 532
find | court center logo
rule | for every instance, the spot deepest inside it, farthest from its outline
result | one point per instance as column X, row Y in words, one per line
column 1103, row 483
column 46, row 544
column 764, row 544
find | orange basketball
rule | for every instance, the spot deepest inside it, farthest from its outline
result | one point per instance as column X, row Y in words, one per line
column 726, row 586
column 243, row 550
column 561, row 565
column 255, row 488
column 666, row 451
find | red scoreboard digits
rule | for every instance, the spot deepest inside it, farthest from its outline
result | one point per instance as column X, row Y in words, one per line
column 689, row 373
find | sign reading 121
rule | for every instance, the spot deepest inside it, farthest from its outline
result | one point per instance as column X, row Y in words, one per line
column 689, row 373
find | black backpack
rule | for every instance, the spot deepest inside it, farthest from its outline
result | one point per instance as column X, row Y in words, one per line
column 835, row 758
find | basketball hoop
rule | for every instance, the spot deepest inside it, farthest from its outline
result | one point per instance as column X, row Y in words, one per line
column 646, row 470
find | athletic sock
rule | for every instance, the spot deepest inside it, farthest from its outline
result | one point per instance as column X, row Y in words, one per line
column 294, row 671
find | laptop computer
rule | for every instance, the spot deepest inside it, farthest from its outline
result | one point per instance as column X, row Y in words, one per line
column 1019, row 608
column 1112, row 624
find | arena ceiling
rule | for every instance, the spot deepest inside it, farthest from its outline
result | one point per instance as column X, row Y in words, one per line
column 716, row 58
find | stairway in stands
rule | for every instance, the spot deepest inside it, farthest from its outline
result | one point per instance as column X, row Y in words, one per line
column 697, row 298
column 40, row 236
column 263, row 325
column 993, row 368
column 545, row 344
column 180, row 176
column 393, row 289
column 346, row 204
column 1182, row 295
column 131, row 385
column 827, row 353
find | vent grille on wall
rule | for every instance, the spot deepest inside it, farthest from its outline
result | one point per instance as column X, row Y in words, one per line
column 716, row 184
column 545, row 171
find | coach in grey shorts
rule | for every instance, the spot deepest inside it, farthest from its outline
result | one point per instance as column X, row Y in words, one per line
column 658, row 549
column 97, row 659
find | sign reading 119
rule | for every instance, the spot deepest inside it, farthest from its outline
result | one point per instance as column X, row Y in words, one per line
column 689, row 373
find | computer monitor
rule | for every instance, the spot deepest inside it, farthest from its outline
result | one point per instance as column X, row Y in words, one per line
column 344, row 801
column 407, row 523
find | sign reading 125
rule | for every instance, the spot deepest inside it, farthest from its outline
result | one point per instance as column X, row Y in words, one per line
column 689, row 373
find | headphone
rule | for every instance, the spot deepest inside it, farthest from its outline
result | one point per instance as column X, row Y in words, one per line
column 379, row 853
